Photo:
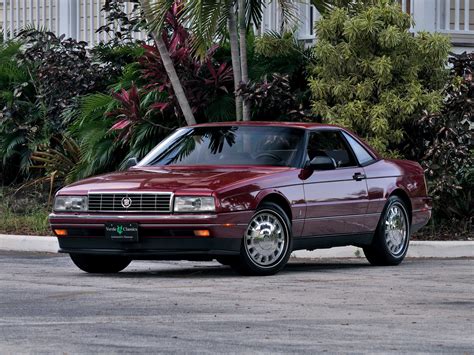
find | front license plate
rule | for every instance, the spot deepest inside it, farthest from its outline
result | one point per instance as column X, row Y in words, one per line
column 122, row 232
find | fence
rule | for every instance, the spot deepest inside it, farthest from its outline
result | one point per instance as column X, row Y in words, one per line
column 81, row 18
column 78, row 19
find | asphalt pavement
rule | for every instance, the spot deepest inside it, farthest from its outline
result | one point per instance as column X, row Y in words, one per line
column 334, row 306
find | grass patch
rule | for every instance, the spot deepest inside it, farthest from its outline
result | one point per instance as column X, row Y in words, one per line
column 33, row 223
column 23, row 213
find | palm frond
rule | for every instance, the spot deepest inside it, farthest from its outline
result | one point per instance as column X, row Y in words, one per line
column 207, row 20
column 155, row 13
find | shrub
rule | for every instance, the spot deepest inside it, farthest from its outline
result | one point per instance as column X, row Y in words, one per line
column 443, row 142
column 274, row 100
column 22, row 115
column 372, row 75
column 62, row 70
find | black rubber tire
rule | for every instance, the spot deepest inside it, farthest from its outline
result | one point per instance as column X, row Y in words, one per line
column 245, row 266
column 100, row 264
column 227, row 260
column 378, row 253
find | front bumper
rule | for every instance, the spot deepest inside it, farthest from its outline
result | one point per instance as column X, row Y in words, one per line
column 160, row 236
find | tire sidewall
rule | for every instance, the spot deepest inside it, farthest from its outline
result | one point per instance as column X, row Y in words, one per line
column 381, row 240
column 100, row 264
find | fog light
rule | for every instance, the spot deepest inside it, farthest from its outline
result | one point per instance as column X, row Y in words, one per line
column 202, row 233
column 60, row 232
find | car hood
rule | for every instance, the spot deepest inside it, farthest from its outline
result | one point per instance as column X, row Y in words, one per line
column 171, row 179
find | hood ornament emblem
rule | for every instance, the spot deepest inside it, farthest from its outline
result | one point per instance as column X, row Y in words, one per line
column 126, row 202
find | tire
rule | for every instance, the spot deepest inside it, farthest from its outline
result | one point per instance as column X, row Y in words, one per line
column 227, row 260
column 100, row 264
column 392, row 236
column 267, row 252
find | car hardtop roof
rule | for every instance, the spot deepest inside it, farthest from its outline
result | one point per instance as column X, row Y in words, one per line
column 304, row 125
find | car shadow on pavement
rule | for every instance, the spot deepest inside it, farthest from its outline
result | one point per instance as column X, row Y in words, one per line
column 197, row 271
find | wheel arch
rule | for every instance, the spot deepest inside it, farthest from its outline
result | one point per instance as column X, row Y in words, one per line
column 400, row 193
column 278, row 199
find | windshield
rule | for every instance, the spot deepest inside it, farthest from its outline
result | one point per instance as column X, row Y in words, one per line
column 229, row 145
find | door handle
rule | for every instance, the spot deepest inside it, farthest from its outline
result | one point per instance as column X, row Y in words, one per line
column 359, row 176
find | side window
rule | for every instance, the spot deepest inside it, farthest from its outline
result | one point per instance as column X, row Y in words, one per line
column 361, row 153
column 330, row 144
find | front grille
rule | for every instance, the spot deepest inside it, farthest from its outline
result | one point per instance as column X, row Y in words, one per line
column 146, row 202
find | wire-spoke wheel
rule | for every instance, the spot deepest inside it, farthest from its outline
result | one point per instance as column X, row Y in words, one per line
column 395, row 229
column 391, row 238
column 265, row 239
column 266, row 244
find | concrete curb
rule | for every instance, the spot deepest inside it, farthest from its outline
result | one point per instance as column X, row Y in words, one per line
column 418, row 249
column 28, row 243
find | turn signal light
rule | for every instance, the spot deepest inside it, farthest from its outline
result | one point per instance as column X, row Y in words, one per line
column 202, row 233
column 60, row 232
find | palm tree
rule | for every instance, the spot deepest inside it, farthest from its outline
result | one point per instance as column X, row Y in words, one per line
column 243, row 56
column 167, row 62
column 235, row 56
column 211, row 19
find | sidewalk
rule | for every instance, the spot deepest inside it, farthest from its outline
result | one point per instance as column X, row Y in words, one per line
column 417, row 249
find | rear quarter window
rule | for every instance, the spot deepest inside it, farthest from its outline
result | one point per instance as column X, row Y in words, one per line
column 363, row 156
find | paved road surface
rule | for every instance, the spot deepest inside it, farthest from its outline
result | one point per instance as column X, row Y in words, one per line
column 46, row 304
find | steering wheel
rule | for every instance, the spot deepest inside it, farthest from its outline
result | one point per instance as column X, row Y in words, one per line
column 271, row 155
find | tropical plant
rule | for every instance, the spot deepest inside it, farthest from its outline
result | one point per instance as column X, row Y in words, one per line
column 272, row 99
column 99, row 149
column 204, row 82
column 121, row 27
column 62, row 70
column 57, row 163
column 326, row 6
column 370, row 73
column 443, row 142
column 22, row 117
column 211, row 19
column 160, row 36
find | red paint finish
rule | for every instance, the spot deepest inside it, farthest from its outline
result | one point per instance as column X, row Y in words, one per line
column 319, row 203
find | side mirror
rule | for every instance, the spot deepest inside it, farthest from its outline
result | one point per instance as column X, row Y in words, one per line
column 322, row 163
column 131, row 162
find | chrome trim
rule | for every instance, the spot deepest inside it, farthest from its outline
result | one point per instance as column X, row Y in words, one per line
column 159, row 193
column 344, row 216
column 134, row 216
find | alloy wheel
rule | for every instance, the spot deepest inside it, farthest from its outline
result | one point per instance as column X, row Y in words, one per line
column 266, row 239
column 396, row 229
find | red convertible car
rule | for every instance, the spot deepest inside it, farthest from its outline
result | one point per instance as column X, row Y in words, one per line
column 247, row 195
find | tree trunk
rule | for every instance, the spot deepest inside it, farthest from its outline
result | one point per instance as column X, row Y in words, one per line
column 175, row 82
column 234, row 50
column 243, row 56
column 171, row 71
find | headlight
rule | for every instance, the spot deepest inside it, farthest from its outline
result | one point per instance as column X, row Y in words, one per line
column 70, row 203
column 194, row 204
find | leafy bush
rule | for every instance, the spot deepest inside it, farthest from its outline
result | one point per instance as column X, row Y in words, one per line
column 63, row 70
column 274, row 100
column 22, row 115
column 42, row 78
column 119, row 26
column 206, row 83
column 373, row 76
column 443, row 142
